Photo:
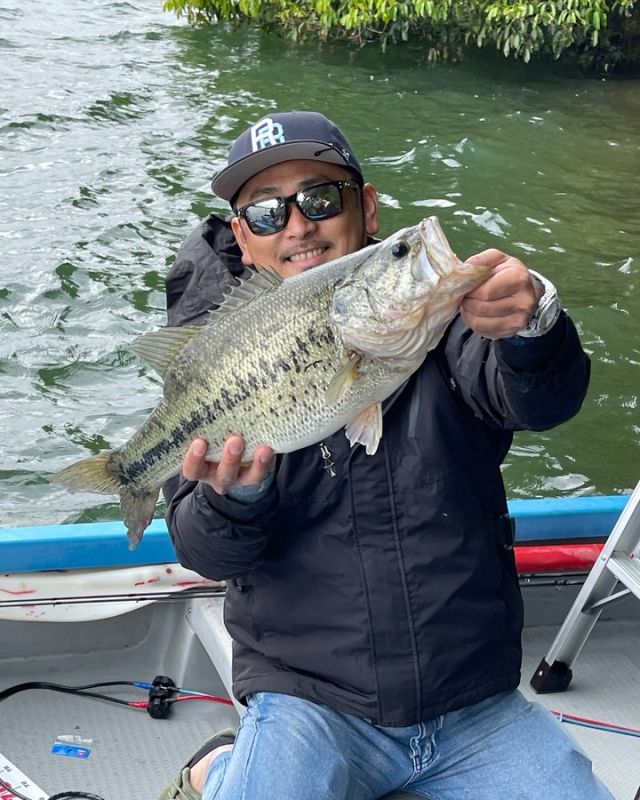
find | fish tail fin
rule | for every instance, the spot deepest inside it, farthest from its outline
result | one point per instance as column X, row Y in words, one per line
column 137, row 507
column 95, row 474
column 100, row 474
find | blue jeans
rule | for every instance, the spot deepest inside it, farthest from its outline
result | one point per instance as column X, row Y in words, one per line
column 502, row 748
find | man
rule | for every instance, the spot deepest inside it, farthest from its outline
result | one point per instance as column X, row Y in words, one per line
column 373, row 600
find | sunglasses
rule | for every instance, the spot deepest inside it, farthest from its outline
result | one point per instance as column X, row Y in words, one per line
column 322, row 201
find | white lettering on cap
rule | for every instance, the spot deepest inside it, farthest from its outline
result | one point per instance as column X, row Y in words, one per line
column 266, row 133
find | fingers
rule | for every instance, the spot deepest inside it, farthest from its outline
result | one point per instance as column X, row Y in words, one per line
column 230, row 471
column 264, row 461
column 491, row 258
column 504, row 303
column 228, row 468
column 194, row 466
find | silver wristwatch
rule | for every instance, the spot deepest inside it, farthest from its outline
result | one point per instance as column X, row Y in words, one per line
column 546, row 314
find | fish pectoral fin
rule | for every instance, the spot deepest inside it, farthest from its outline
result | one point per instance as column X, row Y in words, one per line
column 138, row 508
column 366, row 428
column 159, row 348
column 344, row 378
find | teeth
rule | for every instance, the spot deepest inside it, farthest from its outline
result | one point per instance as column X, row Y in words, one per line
column 308, row 254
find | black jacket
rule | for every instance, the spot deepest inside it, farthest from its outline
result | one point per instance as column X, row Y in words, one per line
column 388, row 590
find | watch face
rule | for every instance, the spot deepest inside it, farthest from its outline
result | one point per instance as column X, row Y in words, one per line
column 549, row 311
column 545, row 316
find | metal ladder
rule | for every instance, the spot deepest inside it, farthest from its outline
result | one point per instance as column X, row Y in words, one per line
column 614, row 566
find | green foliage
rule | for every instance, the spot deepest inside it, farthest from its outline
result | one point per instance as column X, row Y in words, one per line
column 601, row 34
column 589, row 29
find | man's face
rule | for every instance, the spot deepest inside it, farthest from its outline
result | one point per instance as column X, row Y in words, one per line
column 304, row 243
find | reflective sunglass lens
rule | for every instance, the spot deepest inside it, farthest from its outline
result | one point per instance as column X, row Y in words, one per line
column 267, row 217
column 315, row 203
column 320, row 202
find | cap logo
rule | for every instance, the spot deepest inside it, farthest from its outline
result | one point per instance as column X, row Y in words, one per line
column 266, row 133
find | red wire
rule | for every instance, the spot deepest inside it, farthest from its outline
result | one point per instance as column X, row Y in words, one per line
column 213, row 698
column 597, row 722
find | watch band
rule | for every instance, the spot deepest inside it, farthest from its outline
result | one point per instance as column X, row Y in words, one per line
column 546, row 314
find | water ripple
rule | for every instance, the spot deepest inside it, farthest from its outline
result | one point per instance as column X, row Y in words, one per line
column 114, row 116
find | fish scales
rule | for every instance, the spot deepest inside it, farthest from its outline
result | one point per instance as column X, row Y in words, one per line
column 270, row 384
column 287, row 363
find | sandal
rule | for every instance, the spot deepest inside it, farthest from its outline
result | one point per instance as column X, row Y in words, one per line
column 180, row 787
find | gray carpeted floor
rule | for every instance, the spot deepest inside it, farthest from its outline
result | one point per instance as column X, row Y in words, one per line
column 133, row 756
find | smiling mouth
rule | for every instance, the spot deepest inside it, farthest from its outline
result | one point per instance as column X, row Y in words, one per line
column 318, row 251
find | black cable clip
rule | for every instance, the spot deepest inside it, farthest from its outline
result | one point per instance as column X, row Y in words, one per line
column 162, row 696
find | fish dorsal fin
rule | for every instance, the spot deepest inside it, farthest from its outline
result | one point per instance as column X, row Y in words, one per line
column 247, row 290
column 159, row 348
column 366, row 428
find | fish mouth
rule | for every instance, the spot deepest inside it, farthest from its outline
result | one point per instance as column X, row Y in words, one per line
column 424, row 268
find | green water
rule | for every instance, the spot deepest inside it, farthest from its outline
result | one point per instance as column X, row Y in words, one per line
column 113, row 117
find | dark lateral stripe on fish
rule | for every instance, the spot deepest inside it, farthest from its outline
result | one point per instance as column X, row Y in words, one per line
column 228, row 399
column 266, row 371
column 302, row 346
column 182, row 433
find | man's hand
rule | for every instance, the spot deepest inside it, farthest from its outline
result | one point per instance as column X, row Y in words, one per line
column 506, row 301
column 229, row 472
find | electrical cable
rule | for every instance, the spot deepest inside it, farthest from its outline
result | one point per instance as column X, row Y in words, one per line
column 58, row 796
column 13, row 791
column 607, row 727
column 165, row 693
column 77, row 690
column 190, row 693
column 162, row 693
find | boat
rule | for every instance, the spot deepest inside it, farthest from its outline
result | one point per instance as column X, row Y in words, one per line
column 79, row 609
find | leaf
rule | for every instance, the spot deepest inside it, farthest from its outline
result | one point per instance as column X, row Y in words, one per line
column 515, row 27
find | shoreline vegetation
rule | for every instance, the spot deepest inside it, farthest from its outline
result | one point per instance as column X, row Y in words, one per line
column 599, row 36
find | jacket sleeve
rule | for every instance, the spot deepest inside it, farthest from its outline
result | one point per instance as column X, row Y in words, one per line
column 206, row 266
column 533, row 384
column 216, row 536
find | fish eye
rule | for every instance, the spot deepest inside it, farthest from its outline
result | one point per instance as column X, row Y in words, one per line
column 399, row 249
column 340, row 307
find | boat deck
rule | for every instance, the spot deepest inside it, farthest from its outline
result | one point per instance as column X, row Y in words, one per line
column 605, row 684
column 133, row 756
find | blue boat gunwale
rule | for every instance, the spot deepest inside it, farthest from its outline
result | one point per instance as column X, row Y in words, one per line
column 104, row 544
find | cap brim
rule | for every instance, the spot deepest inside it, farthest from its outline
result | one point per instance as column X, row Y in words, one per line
column 228, row 181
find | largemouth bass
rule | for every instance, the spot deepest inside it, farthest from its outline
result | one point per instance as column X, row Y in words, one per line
column 286, row 363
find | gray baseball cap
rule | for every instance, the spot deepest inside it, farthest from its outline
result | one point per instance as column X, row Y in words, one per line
column 283, row 137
